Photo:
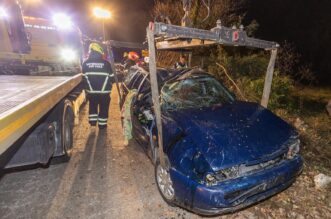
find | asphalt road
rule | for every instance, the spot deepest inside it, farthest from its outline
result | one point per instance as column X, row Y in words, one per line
column 105, row 179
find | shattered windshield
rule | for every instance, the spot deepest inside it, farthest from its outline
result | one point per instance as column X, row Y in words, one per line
column 194, row 92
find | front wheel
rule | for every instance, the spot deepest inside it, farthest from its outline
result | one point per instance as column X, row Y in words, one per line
column 164, row 183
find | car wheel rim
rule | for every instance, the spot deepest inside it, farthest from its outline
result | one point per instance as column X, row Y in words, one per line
column 165, row 183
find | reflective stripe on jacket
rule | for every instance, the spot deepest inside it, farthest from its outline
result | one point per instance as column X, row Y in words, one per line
column 98, row 75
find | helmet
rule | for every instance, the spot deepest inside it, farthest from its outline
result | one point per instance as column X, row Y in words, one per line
column 133, row 56
column 125, row 55
column 96, row 48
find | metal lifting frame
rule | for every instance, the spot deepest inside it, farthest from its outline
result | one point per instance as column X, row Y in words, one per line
column 163, row 36
column 119, row 44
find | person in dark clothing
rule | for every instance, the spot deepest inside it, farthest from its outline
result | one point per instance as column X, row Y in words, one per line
column 132, row 59
column 98, row 77
column 181, row 64
column 125, row 57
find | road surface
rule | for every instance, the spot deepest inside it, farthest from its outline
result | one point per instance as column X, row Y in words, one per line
column 106, row 179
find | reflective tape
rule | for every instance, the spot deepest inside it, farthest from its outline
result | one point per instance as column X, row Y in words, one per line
column 102, row 123
column 98, row 92
column 104, row 84
column 96, row 73
column 102, row 119
column 93, row 115
column 88, row 82
column 103, row 91
column 93, row 119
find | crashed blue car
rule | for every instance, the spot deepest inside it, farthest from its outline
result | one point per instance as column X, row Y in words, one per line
column 221, row 154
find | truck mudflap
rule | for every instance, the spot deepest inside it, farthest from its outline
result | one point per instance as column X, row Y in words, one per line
column 37, row 147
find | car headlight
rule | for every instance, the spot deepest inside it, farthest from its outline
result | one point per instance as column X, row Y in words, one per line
column 230, row 172
column 221, row 175
column 207, row 176
column 293, row 148
column 202, row 170
column 68, row 55
column 211, row 179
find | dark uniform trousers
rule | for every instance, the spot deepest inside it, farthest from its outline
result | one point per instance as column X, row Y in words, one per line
column 98, row 109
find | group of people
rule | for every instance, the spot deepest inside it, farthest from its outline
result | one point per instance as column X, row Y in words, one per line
column 99, row 77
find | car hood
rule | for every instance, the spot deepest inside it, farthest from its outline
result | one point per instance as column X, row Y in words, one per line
column 236, row 133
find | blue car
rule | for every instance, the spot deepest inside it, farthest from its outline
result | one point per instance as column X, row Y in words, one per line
column 221, row 154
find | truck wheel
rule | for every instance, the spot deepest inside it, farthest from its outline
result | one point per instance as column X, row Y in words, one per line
column 65, row 132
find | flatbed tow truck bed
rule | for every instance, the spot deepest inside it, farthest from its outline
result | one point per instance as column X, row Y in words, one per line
column 24, row 100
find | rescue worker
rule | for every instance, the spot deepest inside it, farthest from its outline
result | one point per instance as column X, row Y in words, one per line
column 181, row 64
column 125, row 57
column 99, row 78
column 132, row 60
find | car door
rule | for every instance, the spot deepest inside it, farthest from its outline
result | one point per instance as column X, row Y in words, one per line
column 132, row 81
column 139, row 105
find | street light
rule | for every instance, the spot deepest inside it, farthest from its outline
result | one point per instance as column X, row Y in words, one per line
column 102, row 14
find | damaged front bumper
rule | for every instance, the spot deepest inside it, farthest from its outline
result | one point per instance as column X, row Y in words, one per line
column 235, row 194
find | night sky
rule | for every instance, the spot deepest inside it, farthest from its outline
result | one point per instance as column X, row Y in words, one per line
column 129, row 22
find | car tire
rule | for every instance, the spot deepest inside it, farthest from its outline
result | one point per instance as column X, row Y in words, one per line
column 155, row 154
column 164, row 182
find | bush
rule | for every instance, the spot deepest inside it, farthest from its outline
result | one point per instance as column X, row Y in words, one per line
column 289, row 63
column 239, row 62
column 281, row 89
column 252, row 66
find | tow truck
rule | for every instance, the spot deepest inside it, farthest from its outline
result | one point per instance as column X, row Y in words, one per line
column 40, row 94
